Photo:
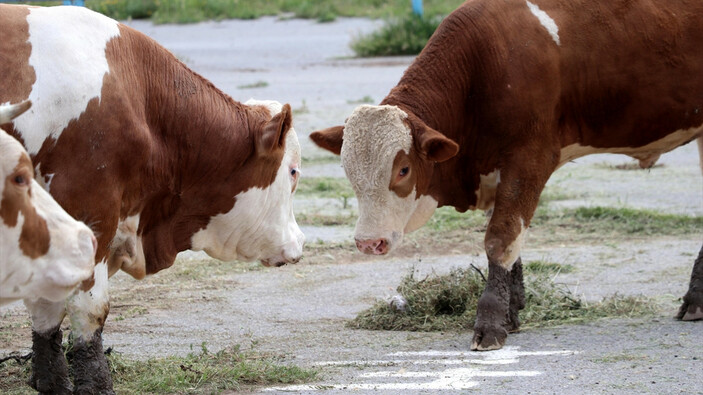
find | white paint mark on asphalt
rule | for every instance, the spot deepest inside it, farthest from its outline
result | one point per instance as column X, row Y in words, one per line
column 435, row 379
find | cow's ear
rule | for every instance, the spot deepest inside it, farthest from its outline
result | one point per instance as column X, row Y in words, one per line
column 273, row 135
column 432, row 144
column 329, row 139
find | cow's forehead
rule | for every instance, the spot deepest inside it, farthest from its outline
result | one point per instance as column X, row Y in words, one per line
column 373, row 135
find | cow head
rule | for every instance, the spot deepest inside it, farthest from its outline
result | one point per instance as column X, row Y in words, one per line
column 261, row 225
column 388, row 156
column 45, row 253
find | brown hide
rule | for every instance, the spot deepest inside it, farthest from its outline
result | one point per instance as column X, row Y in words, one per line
column 626, row 74
column 161, row 142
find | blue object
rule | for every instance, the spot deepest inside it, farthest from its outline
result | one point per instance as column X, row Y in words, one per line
column 417, row 7
column 80, row 3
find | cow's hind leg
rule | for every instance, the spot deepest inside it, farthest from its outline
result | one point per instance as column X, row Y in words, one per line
column 692, row 307
column 49, row 368
column 88, row 311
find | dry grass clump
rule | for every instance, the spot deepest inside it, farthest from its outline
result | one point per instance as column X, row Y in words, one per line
column 448, row 303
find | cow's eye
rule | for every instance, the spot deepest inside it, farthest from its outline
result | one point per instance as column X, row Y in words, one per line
column 403, row 172
column 293, row 172
column 20, row 180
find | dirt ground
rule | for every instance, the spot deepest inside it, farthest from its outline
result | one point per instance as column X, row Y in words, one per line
column 300, row 311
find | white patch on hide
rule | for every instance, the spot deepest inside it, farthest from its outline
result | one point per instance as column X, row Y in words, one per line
column 546, row 21
column 88, row 310
column 644, row 153
column 68, row 57
column 512, row 251
column 486, row 191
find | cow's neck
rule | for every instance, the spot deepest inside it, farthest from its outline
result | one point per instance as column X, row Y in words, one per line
column 197, row 132
column 436, row 88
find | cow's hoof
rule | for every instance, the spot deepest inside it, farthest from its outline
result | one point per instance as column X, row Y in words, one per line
column 488, row 338
column 49, row 368
column 91, row 373
column 690, row 312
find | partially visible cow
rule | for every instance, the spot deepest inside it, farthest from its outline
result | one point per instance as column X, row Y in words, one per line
column 44, row 253
column 503, row 94
column 150, row 154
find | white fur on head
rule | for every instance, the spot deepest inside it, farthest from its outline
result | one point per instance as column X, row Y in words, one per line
column 70, row 258
column 373, row 136
column 261, row 225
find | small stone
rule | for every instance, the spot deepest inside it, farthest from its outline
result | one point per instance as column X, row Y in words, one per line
column 399, row 303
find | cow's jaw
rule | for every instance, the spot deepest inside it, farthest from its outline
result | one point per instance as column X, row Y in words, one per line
column 373, row 136
column 261, row 225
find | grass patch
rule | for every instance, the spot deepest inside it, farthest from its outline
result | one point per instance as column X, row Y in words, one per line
column 448, row 303
column 364, row 100
column 320, row 160
column 324, row 187
column 400, row 36
column 609, row 220
column 188, row 11
column 315, row 219
column 540, row 266
column 257, row 84
column 447, row 219
column 196, row 373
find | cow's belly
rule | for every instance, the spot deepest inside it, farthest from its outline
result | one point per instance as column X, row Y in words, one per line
column 647, row 154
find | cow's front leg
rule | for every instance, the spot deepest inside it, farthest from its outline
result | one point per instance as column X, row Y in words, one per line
column 517, row 196
column 88, row 312
column 49, row 368
column 692, row 307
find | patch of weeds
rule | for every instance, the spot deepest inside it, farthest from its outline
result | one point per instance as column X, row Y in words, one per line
column 303, row 109
column 364, row 100
column 553, row 193
column 131, row 313
column 324, row 187
column 315, row 219
column 400, row 36
column 448, row 219
column 448, row 302
column 320, row 160
column 540, row 266
column 631, row 221
column 228, row 369
column 257, row 84
column 196, row 373
column 14, row 376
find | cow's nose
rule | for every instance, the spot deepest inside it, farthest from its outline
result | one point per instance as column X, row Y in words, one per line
column 373, row 246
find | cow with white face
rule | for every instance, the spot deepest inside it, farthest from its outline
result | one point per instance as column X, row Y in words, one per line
column 503, row 94
column 158, row 160
column 384, row 156
column 45, row 253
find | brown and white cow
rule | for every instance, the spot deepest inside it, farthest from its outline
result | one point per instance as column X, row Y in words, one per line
column 503, row 94
column 44, row 253
column 148, row 153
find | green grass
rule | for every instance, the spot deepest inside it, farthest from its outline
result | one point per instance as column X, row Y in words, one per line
column 624, row 221
column 545, row 267
column 405, row 35
column 189, row 11
column 196, row 373
column 324, row 187
column 448, row 303
column 257, row 84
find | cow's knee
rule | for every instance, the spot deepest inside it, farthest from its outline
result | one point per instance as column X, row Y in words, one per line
column 504, row 242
